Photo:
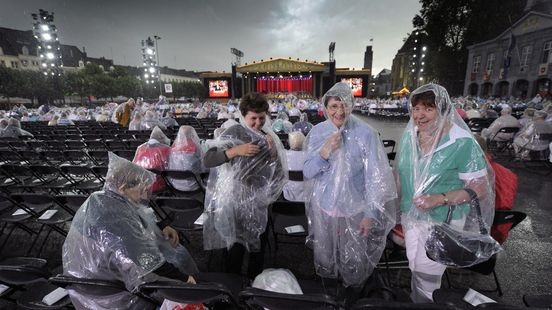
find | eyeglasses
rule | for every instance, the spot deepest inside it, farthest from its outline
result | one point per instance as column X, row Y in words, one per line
column 335, row 107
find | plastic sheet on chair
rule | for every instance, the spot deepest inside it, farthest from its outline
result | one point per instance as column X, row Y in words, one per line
column 154, row 155
column 349, row 197
column 278, row 280
column 282, row 123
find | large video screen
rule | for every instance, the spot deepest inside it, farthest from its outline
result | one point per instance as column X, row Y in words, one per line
column 218, row 88
column 355, row 84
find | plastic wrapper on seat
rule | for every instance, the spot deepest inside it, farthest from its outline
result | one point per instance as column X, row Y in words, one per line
column 114, row 238
column 282, row 123
column 186, row 154
column 277, row 280
column 454, row 161
column 303, row 124
column 240, row 191
column 354, row 185
column 154, row 154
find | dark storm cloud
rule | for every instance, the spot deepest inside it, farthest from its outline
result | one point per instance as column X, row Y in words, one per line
column 198, row 35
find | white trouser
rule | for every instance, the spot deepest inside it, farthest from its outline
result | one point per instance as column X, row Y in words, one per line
column 426, row 274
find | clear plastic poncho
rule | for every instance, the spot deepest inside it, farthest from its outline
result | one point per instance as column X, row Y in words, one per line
column 240, row 191
column 354, row 186
column 303, row 124
column 154, row 155
column 114, row 237
column 452, row 160
column 186, row 154
column 282, row 123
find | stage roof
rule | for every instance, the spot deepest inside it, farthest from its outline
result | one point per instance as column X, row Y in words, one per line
column 210, row 74
column 281, row 65
column 352, row 72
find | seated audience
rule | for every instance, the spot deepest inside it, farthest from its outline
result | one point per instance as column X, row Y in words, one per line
column 114, row 236
column 186, row 155
column 293, row 190
column 154, row 155
column 505, row 120
column 529, row 139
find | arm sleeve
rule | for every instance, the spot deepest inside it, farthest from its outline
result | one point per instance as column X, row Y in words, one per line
column 314, row 165
column 471, row 162
column 214, row 157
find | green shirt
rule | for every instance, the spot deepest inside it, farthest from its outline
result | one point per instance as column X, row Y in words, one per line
column 457, row 158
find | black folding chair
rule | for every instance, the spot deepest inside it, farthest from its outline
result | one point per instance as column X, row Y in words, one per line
column 211, row 294
column 488, row 267
column 100, row 288
column 30, row 276
column 170, row 175
column 499, row 146
column 255, row 298
column 184, row 211
column 286, row 214
column 381, row 304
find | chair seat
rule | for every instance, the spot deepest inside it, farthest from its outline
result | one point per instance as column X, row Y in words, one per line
column 538, row 301
column 32, row 297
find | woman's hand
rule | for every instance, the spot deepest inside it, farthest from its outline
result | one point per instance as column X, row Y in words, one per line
column 365, row 226
column 248, row 149
column 332, row 144
column 172, row 235
column 191, row 280
column 428, row 202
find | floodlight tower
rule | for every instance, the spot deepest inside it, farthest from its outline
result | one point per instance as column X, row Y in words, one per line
column 49, row 48
column 150, row 73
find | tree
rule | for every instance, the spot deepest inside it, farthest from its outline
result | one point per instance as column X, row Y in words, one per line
column 453, row 25
column 8, row 82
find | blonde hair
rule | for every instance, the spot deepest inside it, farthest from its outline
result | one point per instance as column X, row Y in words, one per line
column 296, row 139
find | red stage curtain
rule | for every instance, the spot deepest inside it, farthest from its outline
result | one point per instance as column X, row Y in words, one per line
column 284, row 85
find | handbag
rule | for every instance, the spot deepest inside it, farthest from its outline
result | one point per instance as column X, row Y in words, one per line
column 451, row 247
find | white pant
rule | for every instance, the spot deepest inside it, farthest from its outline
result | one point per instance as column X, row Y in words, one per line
column 426, row 274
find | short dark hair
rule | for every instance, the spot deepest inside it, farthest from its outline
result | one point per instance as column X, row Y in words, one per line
column 426, row 98
column 253, row 102
column 327, row 99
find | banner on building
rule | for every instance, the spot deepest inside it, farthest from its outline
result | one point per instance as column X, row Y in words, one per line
column 168, row 88
column 501, row 74
column 543, row 69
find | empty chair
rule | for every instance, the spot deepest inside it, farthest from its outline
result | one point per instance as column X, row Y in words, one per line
column 211, row 294
column 99, row 157
column 285, row 216
column 255, row 298
column 30, row 276
column 185, row 211
column 82, row 178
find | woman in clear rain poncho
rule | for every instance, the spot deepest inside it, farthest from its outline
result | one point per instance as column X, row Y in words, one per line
column 186, row 155
column 349, row 188
column 439, row 164
column 154, row 154
column 250, row 173
column 114, row 236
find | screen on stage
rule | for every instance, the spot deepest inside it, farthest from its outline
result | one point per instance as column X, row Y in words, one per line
column 218, row 88
column 355, row 84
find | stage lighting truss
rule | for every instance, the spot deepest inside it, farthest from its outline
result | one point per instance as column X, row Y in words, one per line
column 417, row 59
column 49, row 48
column 149, row 52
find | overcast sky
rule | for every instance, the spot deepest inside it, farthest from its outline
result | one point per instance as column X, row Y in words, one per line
column 198, row 35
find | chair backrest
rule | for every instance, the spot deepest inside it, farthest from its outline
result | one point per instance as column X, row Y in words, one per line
column 291, row 208
column 508, row 130
column 256, row 298
column 295, row 175
column 23, row 270
column 200, row 293
column 508, row 216
column 381, row 304
column 181, row 175
column 95, row 287
column 389, row 143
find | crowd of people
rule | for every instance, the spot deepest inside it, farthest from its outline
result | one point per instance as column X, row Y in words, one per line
column 352, row 195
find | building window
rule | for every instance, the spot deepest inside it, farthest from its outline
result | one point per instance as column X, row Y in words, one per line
column 490, row 63
column 14, row 64
column 476, row 64
column 525, row 55
column 1, row 51
column 2, row 63
column 25, row 50
column 101, row 67
column 81, row 63
column 547, row 53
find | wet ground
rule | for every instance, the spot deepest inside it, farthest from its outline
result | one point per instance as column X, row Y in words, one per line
column 524, row 267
